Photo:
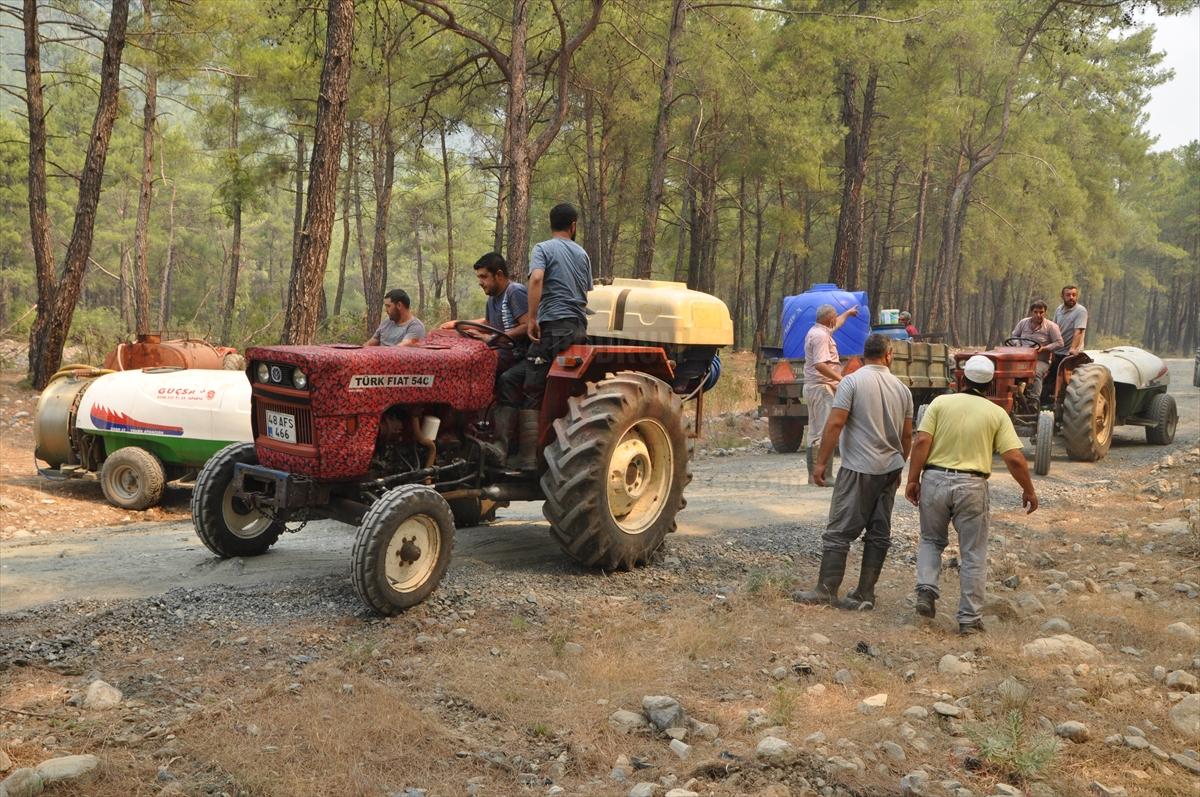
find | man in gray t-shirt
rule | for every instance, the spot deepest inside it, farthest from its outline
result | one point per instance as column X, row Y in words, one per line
column 872, row 417
column 1072, row 320
column 399, row 327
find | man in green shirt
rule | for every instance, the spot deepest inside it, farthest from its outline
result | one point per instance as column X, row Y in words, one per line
column 947, row 480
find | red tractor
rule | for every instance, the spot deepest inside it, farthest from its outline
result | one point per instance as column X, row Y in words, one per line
column 391, row 440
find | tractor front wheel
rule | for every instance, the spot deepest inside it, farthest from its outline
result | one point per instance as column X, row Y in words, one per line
column 1165, row 417
column 226, row 524
column 1043, row 442
column 1089, row 412
column 616, row 469
column 402, row 549
column 786, row 433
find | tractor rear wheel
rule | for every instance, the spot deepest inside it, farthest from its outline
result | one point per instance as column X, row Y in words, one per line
column 1165, row 417
column 402, row 548
column 1088, row 413
column 224, row 523
column 1043, row 442
column 787, row 433
column 616, row 470
column 132, row 478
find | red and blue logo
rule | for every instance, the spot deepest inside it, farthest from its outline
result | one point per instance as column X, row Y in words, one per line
column 111, row 421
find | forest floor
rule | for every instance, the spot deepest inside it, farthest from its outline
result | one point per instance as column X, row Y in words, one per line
column 526, row 675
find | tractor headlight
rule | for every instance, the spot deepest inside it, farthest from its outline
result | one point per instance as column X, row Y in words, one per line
column 264, row 373
column 299, row 379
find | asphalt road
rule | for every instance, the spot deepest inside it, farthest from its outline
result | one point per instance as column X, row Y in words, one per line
column 734, row 497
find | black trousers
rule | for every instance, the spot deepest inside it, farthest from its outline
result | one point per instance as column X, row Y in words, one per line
column 557, row 335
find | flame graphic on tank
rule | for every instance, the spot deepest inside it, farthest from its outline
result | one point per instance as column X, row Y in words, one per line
column 107, row 419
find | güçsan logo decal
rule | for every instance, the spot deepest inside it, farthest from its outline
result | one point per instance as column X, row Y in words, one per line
column 361, row 381
column 112, row 421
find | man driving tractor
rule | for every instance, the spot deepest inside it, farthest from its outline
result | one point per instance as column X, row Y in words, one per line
column 1046, row 338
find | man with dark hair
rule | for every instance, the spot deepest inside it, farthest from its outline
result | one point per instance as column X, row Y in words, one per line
column 1046, row 334
column 1072, row 320
column 948, row 480
column 507, row 309
column 560, row 276
column 400, row 327
column 872, row 415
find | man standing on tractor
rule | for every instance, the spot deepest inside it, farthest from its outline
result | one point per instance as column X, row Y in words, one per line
column 400, row 327
column 872, row 415
column 948, row 480
column 1072, row 320
column 560, row 276
column 822, row 374
column 507, row 309
column 1037, row 329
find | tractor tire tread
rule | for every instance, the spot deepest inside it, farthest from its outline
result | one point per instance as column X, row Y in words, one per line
column 153, row 477
column 206, row 506
column 1078, row 409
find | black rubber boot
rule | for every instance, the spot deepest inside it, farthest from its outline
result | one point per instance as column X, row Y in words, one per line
column 527, row 431
column 833, row 568
column 862, row 599
column 497, row 452
column 926, row 601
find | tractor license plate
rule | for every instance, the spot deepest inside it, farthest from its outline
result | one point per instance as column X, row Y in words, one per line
column 281, row 426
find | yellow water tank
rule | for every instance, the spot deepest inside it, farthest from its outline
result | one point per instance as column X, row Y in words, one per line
column 657, row 311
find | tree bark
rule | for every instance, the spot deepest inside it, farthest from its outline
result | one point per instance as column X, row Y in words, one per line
column 341, row 283
column 739, row 304
column 39, row 216
column 164, row 293
column 420, row 266
column 235, row 253
column 914, row 266
column 308, row 271
column 644, row 262
column 45, row 352
column 298, row 204
column 449, row 226
column 141, row 236
column 847, row 248
column 502, row 183
column 384, row 153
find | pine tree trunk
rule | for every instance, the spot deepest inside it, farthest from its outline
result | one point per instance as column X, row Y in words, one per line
column 848, row 244
column 45, row 352
column 341, row 283
column 298, row 196
column 421, row 303
column 141, row 237
column 308, row 271
column 918, row 241
column 384, row 153
column 520, row 169
column 644, row 263
column 39, row 216
column 168, row 271
column 235, row 253
column 449, row 226
column 739, row 306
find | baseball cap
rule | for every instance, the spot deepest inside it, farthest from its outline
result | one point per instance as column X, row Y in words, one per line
column 979, row 369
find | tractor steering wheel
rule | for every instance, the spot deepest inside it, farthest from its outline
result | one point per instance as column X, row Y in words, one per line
column 1029, row 343
column 494, row 338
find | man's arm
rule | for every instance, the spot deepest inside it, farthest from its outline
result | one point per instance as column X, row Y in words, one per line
column 906, row 435
column 374, row 341
column 521, row 329
column 450, row 324
column 535, row 298
column 920, row 452
column 1056, row 339
column 841, row 319
column 1014, row 460
column 415, row 334
column 1077, row 340
column 829, row 371
column 829, row 439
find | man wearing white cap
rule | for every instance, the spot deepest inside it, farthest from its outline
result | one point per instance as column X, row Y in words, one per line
column 947, row 479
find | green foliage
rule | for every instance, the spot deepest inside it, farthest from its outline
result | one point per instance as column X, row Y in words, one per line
column 1010, row 748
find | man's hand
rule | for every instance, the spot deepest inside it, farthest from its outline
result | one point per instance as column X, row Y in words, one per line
column 852, row 311
column 1029, row 501
column 818, row 475
column 912, row 491
column 534, row 330
column 447, row 325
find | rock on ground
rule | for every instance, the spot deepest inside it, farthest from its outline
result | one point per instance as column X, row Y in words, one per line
column 23, row 782
column 773, row 750
column 1073, row 730
column 664, row 712
column 101, row 696
column 643, row 789
column 67, row 767
column 1061, row 645
column 953, row 665
column 1183, row 631
column 1185, row 717
column 627, row 721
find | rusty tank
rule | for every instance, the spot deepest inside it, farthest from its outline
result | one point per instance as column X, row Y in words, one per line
column 151, row 351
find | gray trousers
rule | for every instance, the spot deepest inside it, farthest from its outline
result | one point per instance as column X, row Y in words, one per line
column 861, row 501
column 819, row 399
column 961, row 499
column 1033, row 390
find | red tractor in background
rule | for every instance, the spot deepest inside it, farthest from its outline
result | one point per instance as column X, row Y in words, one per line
column 391, row 440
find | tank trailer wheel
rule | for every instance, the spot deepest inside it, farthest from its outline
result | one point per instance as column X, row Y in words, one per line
column 1165, row 417
column 224, row 523
column 133, row 478
column 616, row 470
column 402, row 549
column 1089, row 412
column 1043, row 442
column 786, row 433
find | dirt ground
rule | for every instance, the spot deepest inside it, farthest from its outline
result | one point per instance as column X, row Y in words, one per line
column 265, row 677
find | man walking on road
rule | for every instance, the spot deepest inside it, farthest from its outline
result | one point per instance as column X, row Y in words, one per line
column 872, row 415
column 947, row 479
column 822, row 373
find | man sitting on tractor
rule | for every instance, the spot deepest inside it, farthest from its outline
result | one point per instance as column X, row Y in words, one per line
column 507, row 310
column 1046, row 338
column 400, row 327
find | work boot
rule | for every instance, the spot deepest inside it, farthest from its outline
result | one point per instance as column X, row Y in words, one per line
column 967, row 629
column 527, row 437
column 925, row 602
column 862, row 599
column 503, row 419
column 833, row 568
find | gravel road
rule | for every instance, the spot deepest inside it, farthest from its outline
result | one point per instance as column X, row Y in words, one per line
column 754, row 508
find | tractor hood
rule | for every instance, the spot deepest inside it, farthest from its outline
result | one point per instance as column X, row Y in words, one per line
column 1132, row 366
column 445, row 368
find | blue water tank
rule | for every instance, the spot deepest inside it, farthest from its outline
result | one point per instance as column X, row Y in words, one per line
column 893, row 331
column 800, row 313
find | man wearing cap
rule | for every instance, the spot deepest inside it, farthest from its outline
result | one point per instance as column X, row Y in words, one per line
column 822, row 373
column 1038, row 329
column 947, row 480
column 872, row 416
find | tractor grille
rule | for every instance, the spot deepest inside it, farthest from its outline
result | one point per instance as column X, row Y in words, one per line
column 302, row 414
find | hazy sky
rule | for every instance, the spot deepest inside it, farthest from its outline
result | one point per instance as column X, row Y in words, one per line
column 1175, row 106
